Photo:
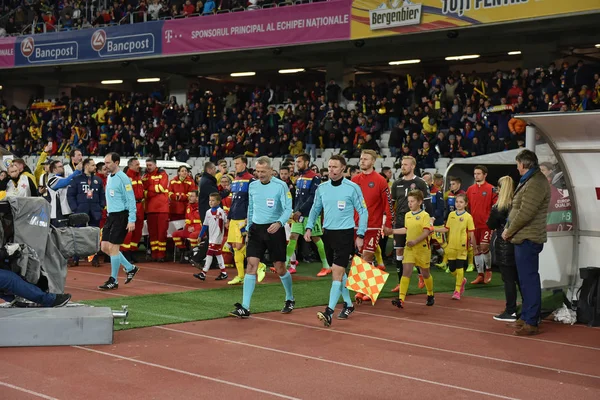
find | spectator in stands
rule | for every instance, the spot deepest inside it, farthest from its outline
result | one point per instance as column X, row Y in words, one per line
column 154, row 9
column 75, row 157
column 188, row 8
column 209, row 7
column 242, row 114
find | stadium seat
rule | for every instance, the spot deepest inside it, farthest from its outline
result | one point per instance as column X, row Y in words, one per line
column 442, row 164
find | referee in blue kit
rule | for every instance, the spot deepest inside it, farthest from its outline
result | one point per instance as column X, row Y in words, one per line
column 120, row 204
column 338, row 198
column 269, row 209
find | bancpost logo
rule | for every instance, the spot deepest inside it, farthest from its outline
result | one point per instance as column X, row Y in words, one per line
column 395, row 13
column 48, row 52
column 120, row 46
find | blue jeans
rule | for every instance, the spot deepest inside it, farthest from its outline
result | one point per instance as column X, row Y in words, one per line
column 312, row 150
column 17, row 286
column 204, row 151
column 527, row 256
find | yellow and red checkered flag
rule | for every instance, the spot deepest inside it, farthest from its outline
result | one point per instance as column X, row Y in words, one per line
column 90, row 258
column 366, row 279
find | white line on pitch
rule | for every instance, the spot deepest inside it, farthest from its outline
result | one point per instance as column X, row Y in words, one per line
column 304, row 356
column 458, row 353
column 479, row 330
column 40, row 395
column 180, row 371
column 138, row 280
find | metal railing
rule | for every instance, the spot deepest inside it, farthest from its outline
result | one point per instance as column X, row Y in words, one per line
column 129, row 19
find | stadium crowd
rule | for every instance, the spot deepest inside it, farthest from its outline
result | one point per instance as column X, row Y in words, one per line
column 52, row 15
column 461, row 115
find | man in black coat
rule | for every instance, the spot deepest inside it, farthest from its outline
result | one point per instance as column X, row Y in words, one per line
column 208, row 185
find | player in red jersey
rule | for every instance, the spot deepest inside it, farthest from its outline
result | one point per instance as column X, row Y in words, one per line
column 482, row 196
column 376, row 193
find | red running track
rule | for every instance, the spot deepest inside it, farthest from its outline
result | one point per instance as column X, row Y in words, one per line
column 452, row 349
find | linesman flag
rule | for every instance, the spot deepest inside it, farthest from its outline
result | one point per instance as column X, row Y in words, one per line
column 366, row 279
column 90, row 258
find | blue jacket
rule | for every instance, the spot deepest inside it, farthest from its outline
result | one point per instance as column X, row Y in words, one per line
column 77, row 196
column 209, row 7
column 439, row 209
column 306, row 187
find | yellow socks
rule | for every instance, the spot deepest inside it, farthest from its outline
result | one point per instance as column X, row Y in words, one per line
column 378, row 256
column 470, row 256
column 429, row 285
column 404, row 282
column 238, row 256
column 459, row 274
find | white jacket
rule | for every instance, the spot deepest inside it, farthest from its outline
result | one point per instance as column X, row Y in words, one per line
column 22, row 189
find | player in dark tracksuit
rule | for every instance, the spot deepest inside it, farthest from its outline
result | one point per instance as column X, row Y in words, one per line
column 306, row 187
column 409, row 181
column 439, row 210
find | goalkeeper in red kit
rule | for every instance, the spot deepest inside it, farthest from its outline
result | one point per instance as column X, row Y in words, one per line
column 377, row 197
column 482, row 196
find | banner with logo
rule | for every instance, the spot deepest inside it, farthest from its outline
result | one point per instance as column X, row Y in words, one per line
column 373, row 18
column 110, row 43
column 7, row 52
column 298, row 24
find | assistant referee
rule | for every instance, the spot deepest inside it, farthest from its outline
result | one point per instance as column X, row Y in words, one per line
column 338, row 198
column 269, row 209
column 120, row 204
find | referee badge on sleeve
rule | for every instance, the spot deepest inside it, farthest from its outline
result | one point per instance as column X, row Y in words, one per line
column 289, row 195
column 128, row 188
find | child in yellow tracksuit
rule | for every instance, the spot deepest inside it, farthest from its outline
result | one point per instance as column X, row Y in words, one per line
column 417, row 251
column 460, row 228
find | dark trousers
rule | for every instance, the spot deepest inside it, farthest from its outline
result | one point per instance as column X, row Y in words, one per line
column 510, row 277
column 13, row 285
column 527, row 256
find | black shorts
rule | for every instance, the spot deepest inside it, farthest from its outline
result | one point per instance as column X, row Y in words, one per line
column 115, row 228
column 259, row 241
column 399, row 240
column 339, row 246
column 453, row 265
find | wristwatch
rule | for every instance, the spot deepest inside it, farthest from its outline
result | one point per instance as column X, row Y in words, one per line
column 361, row 236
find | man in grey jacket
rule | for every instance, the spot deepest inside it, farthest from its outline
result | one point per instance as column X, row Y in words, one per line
column 526, row 229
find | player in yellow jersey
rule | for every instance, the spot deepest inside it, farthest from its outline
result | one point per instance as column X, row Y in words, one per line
column 417, row 252
column 460, row 228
